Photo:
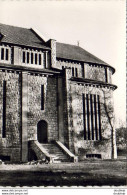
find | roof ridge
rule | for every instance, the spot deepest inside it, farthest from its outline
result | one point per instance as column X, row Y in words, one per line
column 38, row 34
column 21, row 36
column 85, row 51
column 68, row 44
column 14, row 26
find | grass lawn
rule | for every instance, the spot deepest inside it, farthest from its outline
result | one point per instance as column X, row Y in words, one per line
column 87, row 173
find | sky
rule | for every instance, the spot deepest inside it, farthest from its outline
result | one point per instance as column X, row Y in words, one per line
column 98, row 25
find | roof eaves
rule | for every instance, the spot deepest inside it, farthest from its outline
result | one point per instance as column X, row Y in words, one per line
column 25, row 68
column 93, row 82
column 81, row 61
column 22, row 45
column 1, row 36
column 97, row 60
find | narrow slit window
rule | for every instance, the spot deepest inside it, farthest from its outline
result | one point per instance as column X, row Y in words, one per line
column 76, row 72
column 24, row 56
column 7, row 56
column 92, row 117
column 28, row 57
column 95, row 109
column 35, row 58
column 91, row 107
column 44, row 60
column 4, row 110
column 106, row 78
column 88, row 116
column 42, row 97
column 73, row 72
column 39, row 59
column 99, row 115
column 83, row 71
column 2, row 54
column 31, row 58
column 84, row 114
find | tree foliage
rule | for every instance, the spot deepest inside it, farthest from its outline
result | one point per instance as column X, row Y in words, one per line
column 121, row 137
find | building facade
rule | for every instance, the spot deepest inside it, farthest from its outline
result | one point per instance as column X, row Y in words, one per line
column 54, row 97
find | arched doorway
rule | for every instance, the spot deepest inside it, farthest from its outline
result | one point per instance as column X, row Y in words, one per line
column 42, row 131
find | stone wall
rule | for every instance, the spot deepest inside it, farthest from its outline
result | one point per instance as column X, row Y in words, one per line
column 88, row 71
column 94, row 72
column 60, row 64
column 75, row 122
column 36, row 147
column 53, row 52
column 49, row 114
column 97, row 72
column 10, row 145
column 63, row 109
column 109, row 72
column 14, row 55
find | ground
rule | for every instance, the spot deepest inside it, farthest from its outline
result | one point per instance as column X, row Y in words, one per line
column 87, row 173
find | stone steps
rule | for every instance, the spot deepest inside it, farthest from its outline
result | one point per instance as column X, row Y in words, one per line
column 55, row 152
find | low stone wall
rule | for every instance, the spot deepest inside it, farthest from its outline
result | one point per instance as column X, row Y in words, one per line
column 39, row 151
column 71, row 156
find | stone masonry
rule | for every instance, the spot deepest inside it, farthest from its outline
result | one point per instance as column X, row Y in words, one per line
column 51, row 91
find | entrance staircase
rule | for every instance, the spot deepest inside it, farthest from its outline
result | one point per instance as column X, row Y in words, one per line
column 55, row 152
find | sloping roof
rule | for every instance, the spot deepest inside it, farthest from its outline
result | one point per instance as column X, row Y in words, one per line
column 21, row 36
column 74, row 52
column 29, row 37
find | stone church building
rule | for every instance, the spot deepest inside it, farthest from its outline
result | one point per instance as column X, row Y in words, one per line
column 56, row 100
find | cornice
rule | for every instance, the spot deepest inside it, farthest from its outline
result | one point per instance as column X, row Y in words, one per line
column 93, row 83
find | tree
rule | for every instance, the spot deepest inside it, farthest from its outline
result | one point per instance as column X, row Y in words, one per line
column 121, row 136
column 108, row 110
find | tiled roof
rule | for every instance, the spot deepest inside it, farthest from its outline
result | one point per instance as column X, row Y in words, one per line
column 21, row 36
column 29, row 37
column 74, row 52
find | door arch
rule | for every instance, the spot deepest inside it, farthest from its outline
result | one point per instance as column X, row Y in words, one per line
column 42, row 131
